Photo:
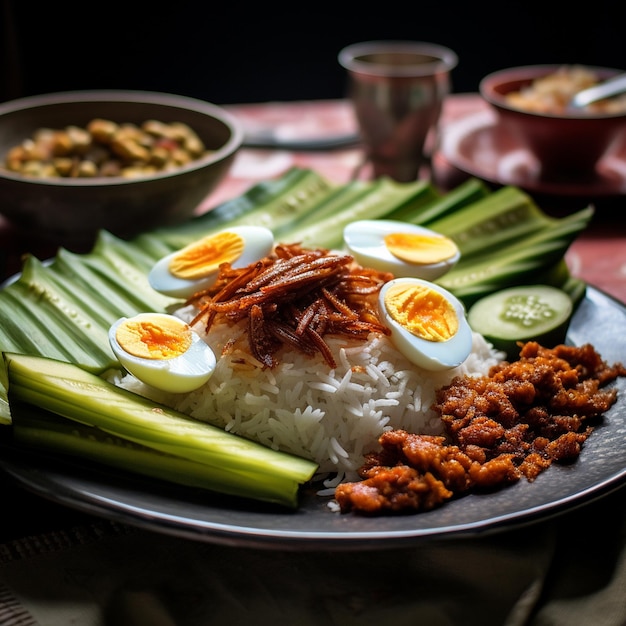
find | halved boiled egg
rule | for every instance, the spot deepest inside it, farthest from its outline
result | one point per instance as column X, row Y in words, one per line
column 195, row 267
column 162, row 351
column 400, row 248
column 428, row 323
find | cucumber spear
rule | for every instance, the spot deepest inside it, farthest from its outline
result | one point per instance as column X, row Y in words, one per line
column 230, row 463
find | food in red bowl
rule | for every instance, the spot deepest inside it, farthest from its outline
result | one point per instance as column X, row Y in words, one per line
column 532, row 104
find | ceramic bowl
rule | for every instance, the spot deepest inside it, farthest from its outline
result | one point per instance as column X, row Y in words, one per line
column 566, row 144
column 71, row 210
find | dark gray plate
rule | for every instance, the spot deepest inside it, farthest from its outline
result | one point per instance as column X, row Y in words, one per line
column 203, row 516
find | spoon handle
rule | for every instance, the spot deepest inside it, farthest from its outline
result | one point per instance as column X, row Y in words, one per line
column 608, row 88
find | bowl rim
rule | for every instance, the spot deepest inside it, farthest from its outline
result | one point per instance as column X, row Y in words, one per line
column 530, row 72
column 234, row 142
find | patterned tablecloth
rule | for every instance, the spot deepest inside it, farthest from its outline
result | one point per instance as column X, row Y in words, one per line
column 59, row 567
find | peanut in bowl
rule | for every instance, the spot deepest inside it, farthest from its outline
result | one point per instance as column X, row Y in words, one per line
column 531, row 105
column 67, row 207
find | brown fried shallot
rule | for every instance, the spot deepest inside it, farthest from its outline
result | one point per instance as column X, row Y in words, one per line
column 294, row 297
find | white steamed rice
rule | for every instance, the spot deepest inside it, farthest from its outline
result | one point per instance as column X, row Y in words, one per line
column 301, row 406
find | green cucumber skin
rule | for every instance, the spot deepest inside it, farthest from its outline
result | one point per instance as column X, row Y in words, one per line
column 331, row 204
column 547, row 310
column 258, row 195
column 96, row 275
column 519, row 263
column 41, row 430
column 381, row 198
column 276, row 206
column 88, row 398
column 65, row 317
column 69, row 391
column 38, row 326
column 451, row 202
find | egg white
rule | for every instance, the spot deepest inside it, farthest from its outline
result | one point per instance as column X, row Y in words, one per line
column 364, row 240
column 258, row 243
column 179, row 374
column 430, row 355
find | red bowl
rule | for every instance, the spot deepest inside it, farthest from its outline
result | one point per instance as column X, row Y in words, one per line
column 566, row 145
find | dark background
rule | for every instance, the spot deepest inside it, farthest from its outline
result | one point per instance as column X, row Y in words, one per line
column 230, row 52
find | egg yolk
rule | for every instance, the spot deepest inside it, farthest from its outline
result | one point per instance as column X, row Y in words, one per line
column 151, row 340
column 420, row 249
column 424, row 312
column 205, row 256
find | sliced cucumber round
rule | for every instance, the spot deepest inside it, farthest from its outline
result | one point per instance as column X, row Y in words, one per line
column 524, row 313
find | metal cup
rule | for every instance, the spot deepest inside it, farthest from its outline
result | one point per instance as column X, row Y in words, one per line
column 397, row 89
